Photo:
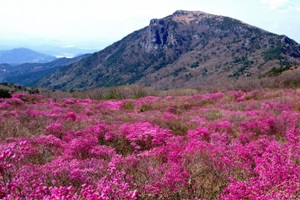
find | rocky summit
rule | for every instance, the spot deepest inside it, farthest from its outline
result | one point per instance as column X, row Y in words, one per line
column 185, row 49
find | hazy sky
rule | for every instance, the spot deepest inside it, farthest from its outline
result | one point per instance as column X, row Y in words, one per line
column 98, row 22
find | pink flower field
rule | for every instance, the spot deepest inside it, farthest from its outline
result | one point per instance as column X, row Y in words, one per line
column 231, row 145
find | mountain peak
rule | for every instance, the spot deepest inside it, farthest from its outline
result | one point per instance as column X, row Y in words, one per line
column 185, row 49
column 161, row 32
column 188, row 12
column 182, row 16
column 188, row 16
column 24, row 55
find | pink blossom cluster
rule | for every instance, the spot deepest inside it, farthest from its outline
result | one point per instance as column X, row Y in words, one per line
column 233, row 145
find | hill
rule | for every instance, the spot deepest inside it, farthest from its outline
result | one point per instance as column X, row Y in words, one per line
column 185, row 49
column 29, row 74
column 24, row 55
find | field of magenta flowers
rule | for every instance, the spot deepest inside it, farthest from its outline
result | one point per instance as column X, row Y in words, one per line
column 232, row 145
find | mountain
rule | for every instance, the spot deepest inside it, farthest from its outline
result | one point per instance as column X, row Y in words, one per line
column 185, row 49
column 24, row 55
column 3, row 70
column 57, row 48
column 30, row 73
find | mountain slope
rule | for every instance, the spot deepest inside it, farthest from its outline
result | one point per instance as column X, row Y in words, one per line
column 4, row 70
column 24, row 55
column 30, row 73
column 185, row 49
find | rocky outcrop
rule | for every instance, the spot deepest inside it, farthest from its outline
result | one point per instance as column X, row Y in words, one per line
column 159, row 36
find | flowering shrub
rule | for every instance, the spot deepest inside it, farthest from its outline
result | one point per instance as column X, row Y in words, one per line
column 112, row 105
column 233, row 145
column 144, row 136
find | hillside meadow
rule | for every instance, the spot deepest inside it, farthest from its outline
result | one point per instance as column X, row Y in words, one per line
column 223, row 145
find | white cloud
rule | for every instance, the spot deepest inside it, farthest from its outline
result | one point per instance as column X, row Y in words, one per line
column 274, row 4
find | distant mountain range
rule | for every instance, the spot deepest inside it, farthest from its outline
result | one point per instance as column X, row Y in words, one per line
column 185, row 49
column 24, row 55
column 29, row 74
column 55, row 48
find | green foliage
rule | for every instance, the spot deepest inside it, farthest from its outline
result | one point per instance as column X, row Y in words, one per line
column 4, row 94
column 204, row 72
column 239, row 59
column 194, row 64
column 246, row 64
column 276, row 71
column 284, row 62
column 214, row 115
column 128, row 105
column 145, row 107
column 115, row 57
column 229, row 23
column 161, row 60
column 207, row 102
column 140, row 95
column 272, row 54
column 111, row 95
column 177, row 71
column 135, row 78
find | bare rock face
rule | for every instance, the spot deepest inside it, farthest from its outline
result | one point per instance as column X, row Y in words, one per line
column 161, row 33
column 158, row 36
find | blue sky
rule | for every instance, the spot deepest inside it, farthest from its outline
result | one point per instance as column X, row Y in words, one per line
column 97, row 23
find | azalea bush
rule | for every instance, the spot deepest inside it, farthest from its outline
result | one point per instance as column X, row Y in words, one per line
column 231, row 145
